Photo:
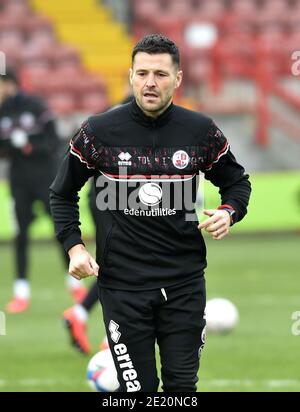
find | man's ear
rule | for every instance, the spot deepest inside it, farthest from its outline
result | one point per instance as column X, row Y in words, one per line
column 130, row 76
column 178, row 79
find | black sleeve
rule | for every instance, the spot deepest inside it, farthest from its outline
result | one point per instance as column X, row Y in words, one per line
column 224, row 172
column 73, row 173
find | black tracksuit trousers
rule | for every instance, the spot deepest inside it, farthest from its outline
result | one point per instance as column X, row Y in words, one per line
column 173, row 318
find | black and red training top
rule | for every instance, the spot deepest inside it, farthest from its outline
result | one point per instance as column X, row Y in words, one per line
column 146, row 175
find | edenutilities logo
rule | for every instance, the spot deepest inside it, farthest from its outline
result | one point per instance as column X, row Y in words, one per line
column 150, row 195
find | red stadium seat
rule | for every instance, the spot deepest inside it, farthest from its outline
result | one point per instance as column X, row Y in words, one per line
column 60, row 81
column 41, row 38
column 33, row 75
column 210, row 10
column 12, row 56
column 16, row 8
column 4, row 2
column 61, row 103
column 169, row 27
column 69, row 68
column 292, row 19
column 177, row 9
column 139, row 29
column 89, row 84
column 39, row 68
column 198, row 70
column 65, row 53
column 275, row 7
column 297, row 6
column 245, row 8
column 11, row 38
column 8, row 22
column 31, row 54
column 94, row 102
column 37, row 72
column 145, row 9
column 34, row 22
column 274, row 13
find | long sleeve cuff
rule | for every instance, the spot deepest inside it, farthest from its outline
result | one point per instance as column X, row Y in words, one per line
column 72, row 240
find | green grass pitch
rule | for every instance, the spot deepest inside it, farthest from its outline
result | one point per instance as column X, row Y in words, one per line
column 259, row 274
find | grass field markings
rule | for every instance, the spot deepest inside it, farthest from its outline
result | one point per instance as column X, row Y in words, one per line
column 230, row 382
column 250, row 382
column 40, row 382
column 286, row 382
column 43, row 295
column 267, row 300
column 272, row 383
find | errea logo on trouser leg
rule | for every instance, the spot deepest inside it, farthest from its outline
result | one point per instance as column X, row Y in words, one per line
column 129, row 374
column 114, row 334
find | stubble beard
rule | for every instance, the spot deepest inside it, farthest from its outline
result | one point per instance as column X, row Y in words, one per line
column 160, row 107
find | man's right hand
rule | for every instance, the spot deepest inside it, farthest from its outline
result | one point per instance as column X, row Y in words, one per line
column 82, row 264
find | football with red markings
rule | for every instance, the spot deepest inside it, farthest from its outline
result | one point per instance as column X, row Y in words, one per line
column 101, row 372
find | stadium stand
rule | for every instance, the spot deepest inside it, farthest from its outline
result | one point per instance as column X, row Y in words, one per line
column 60, row 62
column 102, row 43
column 225, row 41
column 236, row 54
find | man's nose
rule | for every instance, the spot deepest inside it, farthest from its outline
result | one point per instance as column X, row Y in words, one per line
column 150, row 81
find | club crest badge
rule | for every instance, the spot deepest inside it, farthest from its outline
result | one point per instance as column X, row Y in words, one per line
column 180, row 159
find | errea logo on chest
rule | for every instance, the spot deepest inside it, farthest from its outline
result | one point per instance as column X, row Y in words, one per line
column 124, row 159
column 180, row 159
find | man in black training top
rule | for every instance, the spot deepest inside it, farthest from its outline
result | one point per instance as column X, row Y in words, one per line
column 145, row 157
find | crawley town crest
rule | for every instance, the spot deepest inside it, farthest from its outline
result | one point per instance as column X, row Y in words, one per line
column 180, row 159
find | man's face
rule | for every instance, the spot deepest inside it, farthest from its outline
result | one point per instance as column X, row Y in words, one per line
column 154, row 77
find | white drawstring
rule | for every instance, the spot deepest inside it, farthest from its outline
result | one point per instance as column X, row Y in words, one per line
column 164, row 294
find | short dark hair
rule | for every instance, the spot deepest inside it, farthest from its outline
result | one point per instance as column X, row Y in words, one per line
column 10, row 76
column 155, row 44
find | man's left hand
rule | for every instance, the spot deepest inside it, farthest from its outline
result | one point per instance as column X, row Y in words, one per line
column 218, row 223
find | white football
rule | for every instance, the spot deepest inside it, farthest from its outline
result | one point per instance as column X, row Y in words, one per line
column 101, row 372
column 221, row 314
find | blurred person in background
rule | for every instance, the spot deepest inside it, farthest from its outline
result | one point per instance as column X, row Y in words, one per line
column 150, row 260
column 29, row 140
